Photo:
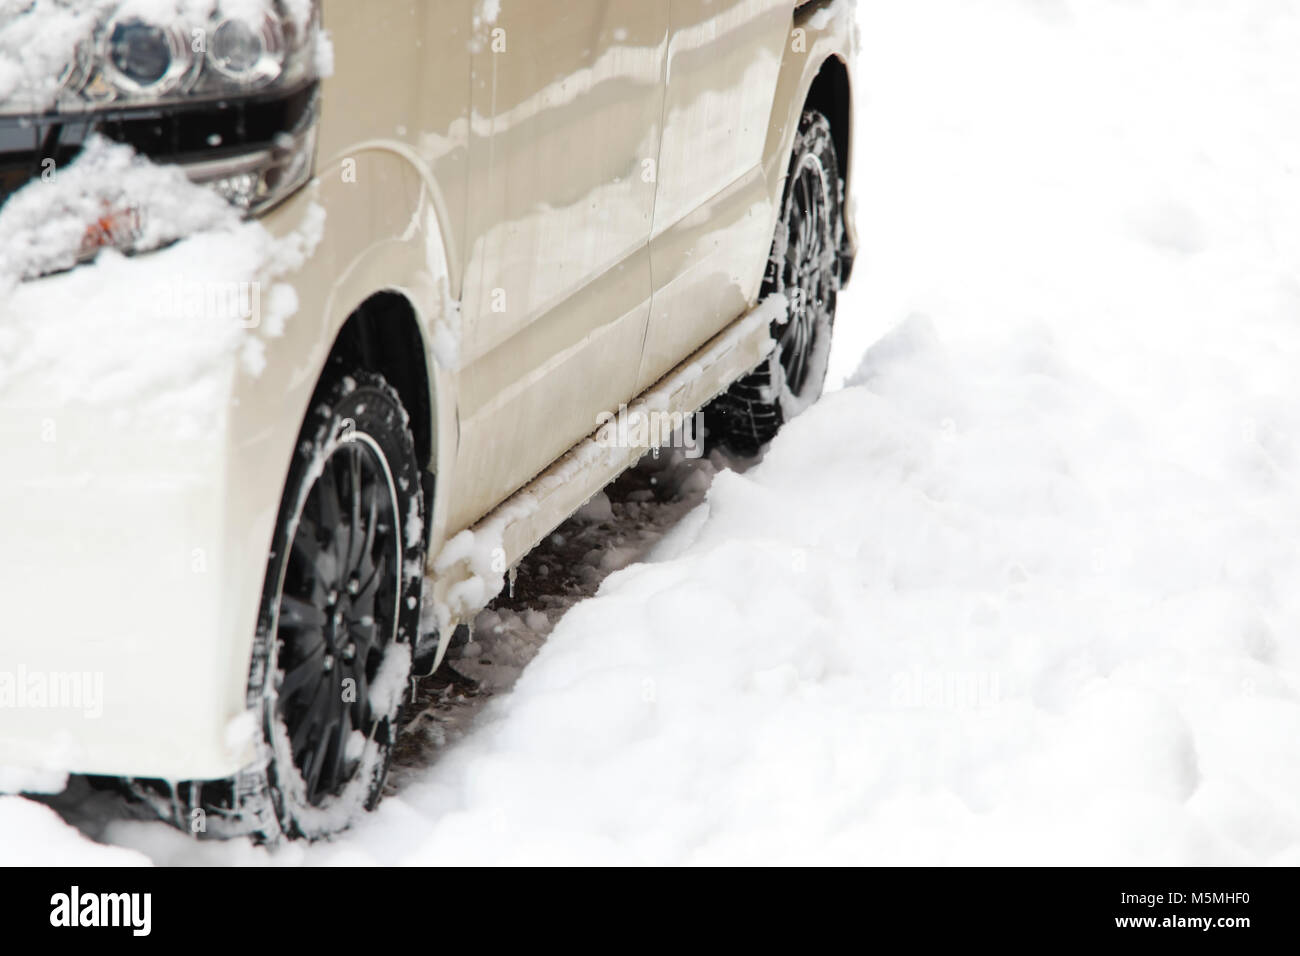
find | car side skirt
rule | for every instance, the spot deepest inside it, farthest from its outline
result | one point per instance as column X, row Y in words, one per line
column 507, row 533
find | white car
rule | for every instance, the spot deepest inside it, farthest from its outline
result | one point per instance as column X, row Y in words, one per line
column 456, row 237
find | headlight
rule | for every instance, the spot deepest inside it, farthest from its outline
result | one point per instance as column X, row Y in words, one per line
column 250, row 53
column 137, row 53
column 226, row 89
column 140, row 58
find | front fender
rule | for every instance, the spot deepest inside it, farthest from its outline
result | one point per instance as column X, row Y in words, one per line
column 388, row 239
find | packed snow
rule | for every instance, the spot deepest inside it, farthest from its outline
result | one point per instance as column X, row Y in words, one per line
column 46, row 223
column 1022, row 590
column 38, row 39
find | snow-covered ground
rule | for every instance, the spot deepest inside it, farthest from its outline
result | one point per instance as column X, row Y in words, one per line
column 1023, row 589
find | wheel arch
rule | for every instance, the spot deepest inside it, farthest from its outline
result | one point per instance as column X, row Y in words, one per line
column 381, row 290
column 817, row 73
column 831, row 94
column 383, row 335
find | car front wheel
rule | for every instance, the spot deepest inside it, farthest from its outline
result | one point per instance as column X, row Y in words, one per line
column 340, row 609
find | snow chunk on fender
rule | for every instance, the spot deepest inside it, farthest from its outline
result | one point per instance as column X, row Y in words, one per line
column 158, row 336
column 45, row 224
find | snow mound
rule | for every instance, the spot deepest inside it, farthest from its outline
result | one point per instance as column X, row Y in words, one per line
column 35, row 836
column 966, row 611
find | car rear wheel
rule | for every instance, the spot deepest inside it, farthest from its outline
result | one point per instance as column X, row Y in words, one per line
column 804, row 268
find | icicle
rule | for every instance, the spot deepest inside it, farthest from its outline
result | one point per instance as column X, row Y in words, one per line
column 512, row 573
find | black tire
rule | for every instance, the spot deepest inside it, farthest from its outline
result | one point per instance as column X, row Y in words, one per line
column 341, row 602
column 804, row 267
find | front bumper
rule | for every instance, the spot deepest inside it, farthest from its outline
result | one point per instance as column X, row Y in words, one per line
column 126, row 616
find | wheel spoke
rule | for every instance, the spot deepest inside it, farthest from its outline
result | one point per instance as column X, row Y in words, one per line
column 307, row 721
column 306, row 670
column 311, row 772
column 340, row 747
column 327, row 720
column 306, row 541
column 299, row 615
column 354, row 493
column 372, row 523
column 328, row 502
column 370, row 585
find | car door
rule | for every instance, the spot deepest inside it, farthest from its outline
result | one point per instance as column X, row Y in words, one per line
column 713, row 215
column 567, row 101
